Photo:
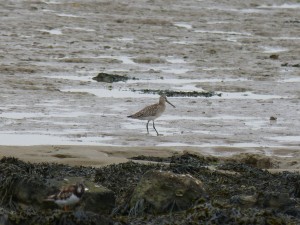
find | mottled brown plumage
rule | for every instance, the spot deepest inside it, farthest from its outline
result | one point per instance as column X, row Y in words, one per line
column 152, row 112
column 67, row 196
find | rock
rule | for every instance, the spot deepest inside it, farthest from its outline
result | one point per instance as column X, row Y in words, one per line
column 98, row 199
column 255, row 160
column 160, row 191
column 109, row 78
column 246, row 201
column 274, row 56
column 31, row 193
column 273, row 118
column 275, row 200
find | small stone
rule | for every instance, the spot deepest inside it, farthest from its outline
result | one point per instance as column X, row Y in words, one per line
column 274, row 56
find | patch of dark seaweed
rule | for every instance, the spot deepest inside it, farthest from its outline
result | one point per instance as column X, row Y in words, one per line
column 151, row 158
column 29, row 217
column 47, row 170
column 276, row 196
column 171, row 93
column 212, row 215
column 290, row 65
column 63, row 156
column 188, row 163
column 111, row 78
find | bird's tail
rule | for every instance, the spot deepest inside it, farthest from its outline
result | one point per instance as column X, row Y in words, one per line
column 50, row 198
column 129, row 116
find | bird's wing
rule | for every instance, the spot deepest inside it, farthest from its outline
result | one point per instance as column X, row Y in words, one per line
column 65, row 192
column 147, row 111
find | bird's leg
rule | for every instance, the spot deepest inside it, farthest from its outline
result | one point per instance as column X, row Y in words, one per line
column 147, row 126
column 155, row 129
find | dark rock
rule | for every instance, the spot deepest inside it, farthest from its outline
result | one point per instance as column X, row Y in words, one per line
column 109, row 78
column 274, row 56
column 273, row 118
column 160, row 191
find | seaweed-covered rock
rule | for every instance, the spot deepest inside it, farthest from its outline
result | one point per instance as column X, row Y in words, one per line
column 160, row 191
column 255, row 160
column 109, row 78
column 19, row 188
column 275, row 200
column 245, row 201
column 98, row 199
column 122, row 178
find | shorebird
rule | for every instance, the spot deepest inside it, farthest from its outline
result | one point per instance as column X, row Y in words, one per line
column 152, row 112
column 68, row 196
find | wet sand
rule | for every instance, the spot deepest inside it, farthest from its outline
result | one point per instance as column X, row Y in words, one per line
column 98, row 156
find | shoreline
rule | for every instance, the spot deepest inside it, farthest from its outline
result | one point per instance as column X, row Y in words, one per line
column 286, row 159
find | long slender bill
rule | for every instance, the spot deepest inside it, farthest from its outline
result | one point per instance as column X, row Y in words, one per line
column 170, row 103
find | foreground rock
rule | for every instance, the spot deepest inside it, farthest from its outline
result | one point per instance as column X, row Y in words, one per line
column 160, row 191
column 22, row 188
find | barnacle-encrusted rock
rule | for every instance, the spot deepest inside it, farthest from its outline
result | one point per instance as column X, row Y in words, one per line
column 160, row 191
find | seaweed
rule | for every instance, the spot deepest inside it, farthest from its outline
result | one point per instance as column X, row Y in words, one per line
column 170, row 93
column 273, row 198
column 109, row 78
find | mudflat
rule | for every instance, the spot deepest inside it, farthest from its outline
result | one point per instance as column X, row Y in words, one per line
column 246, row 53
